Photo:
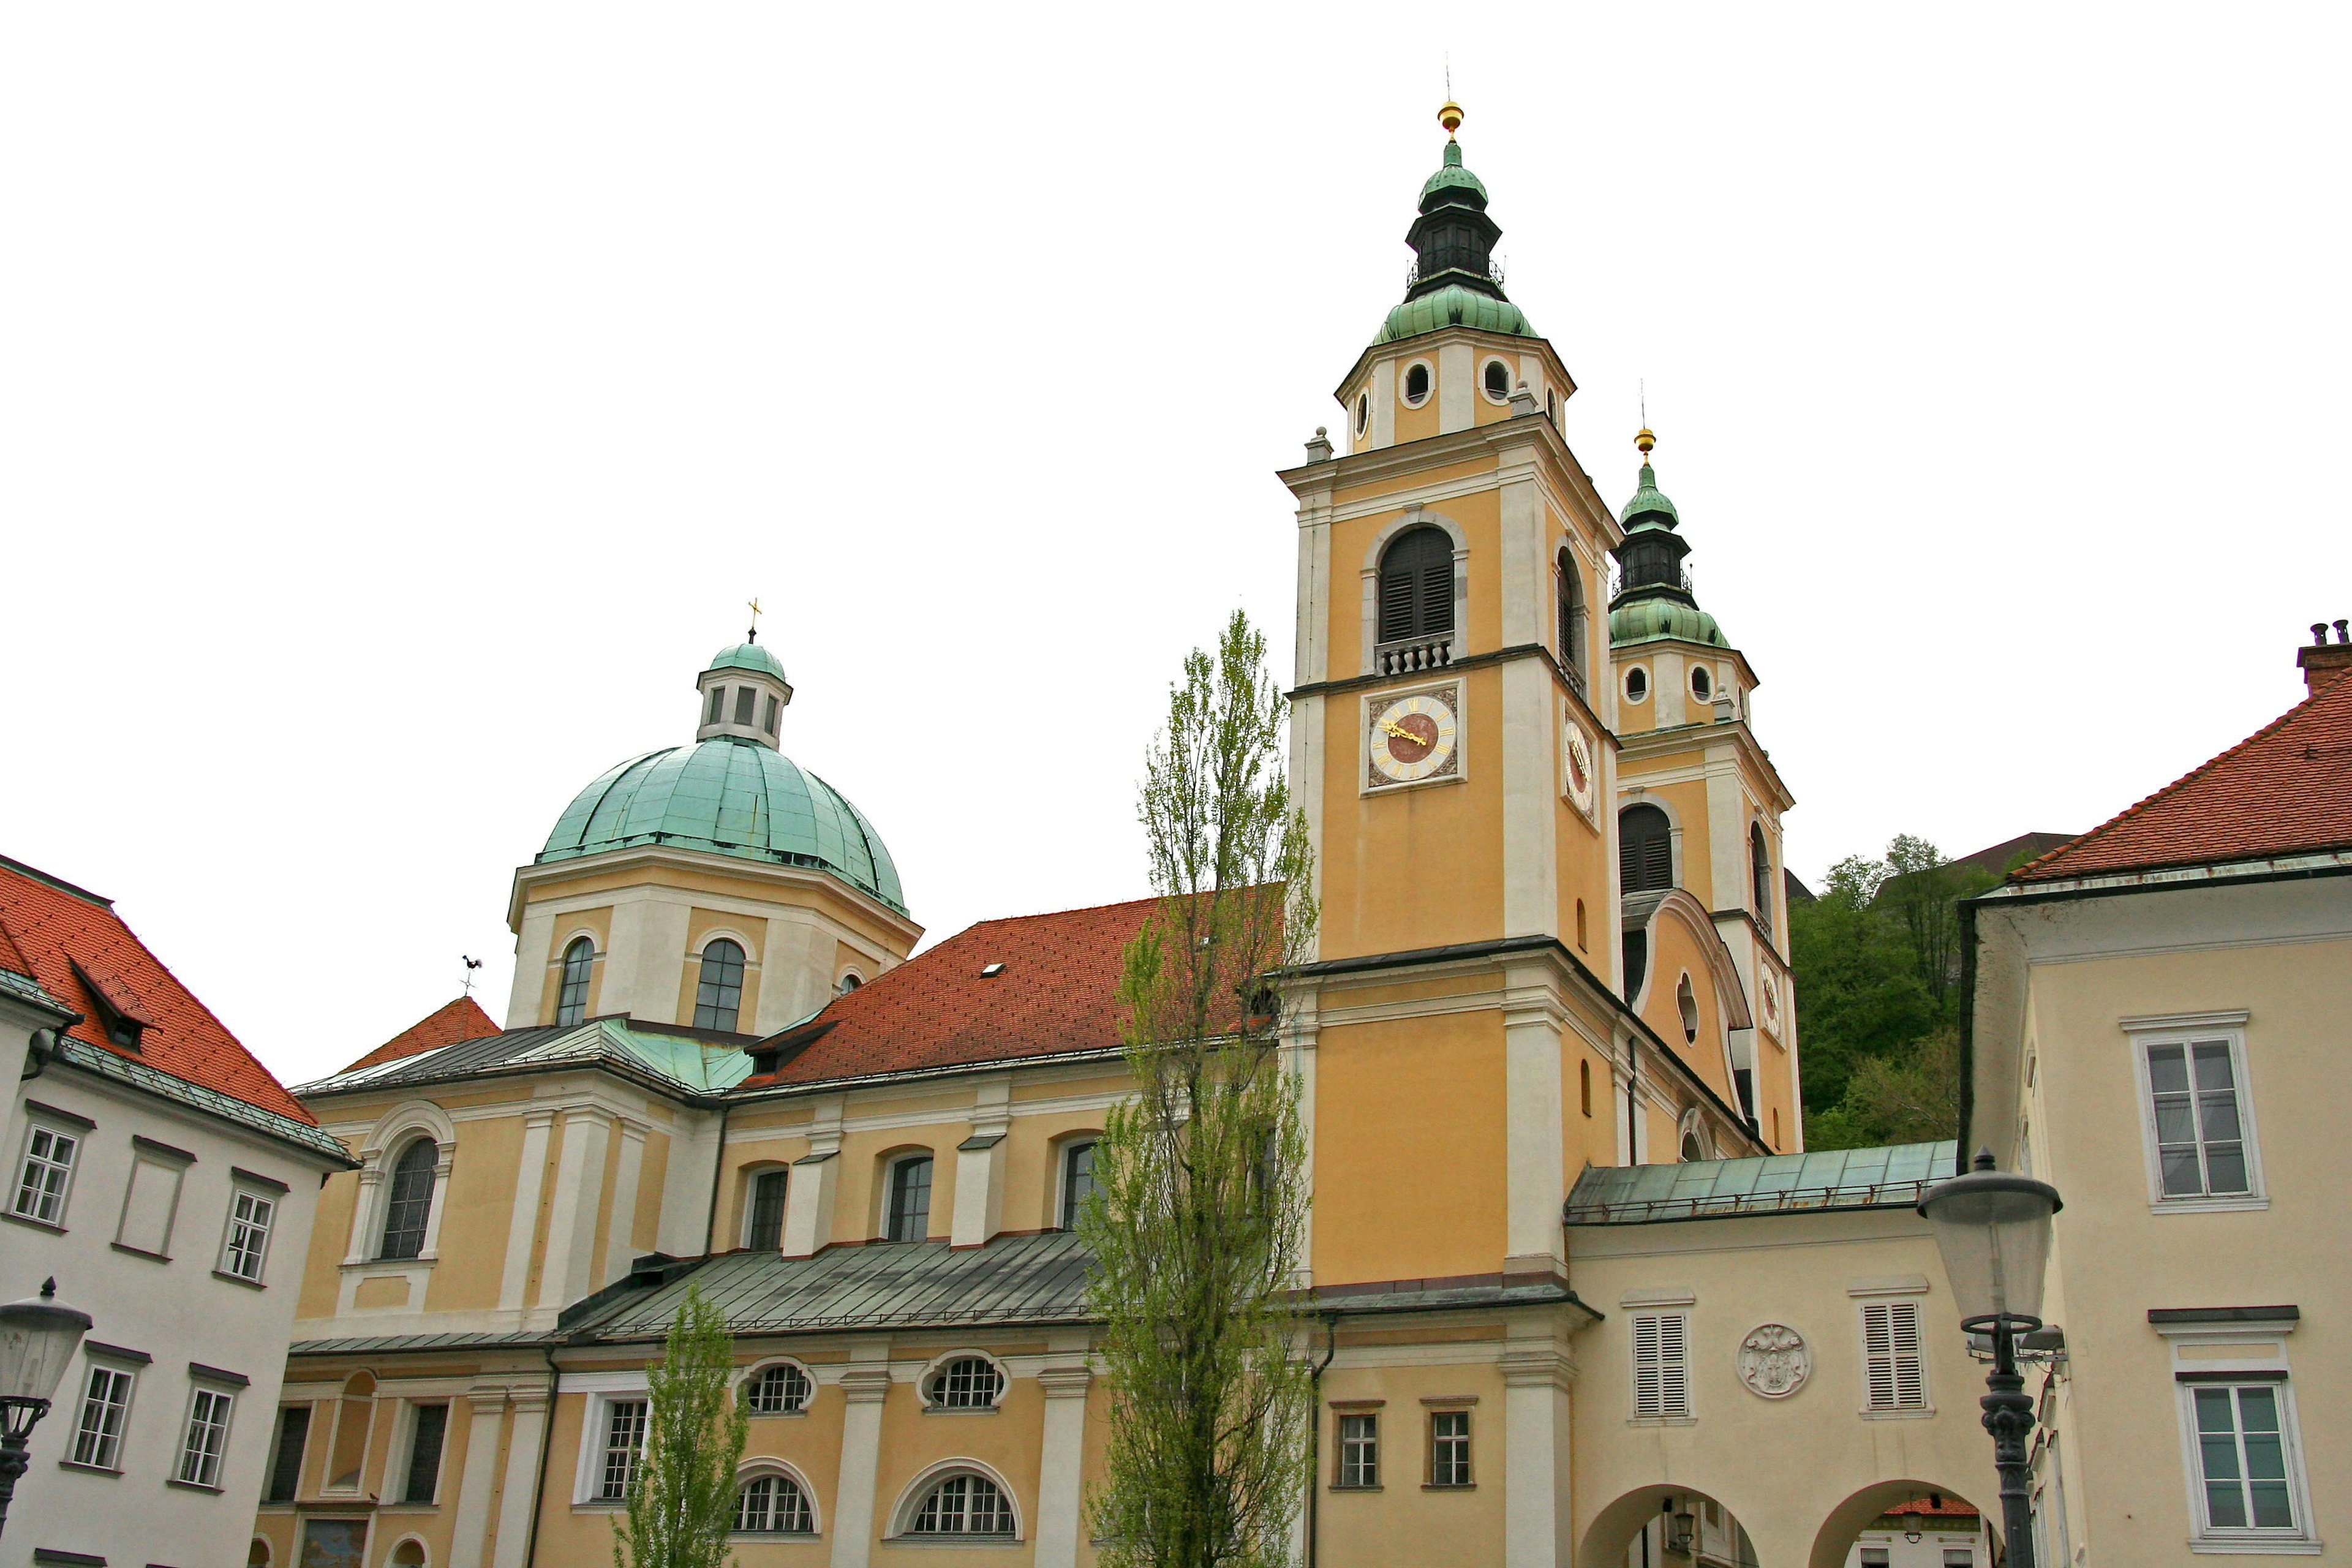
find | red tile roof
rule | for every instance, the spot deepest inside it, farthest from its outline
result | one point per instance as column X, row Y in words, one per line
column 462, row 1019
column 1058, row 992
column 74, row 943
column 2284, row 790
column 1937, row 1507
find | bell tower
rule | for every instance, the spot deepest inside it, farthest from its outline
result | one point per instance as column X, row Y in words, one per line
column 1454, row 745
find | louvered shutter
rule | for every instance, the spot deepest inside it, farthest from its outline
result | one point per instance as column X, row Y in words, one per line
column 1892, row 1372
column 1417, row 586
column 1645, row 851
column 1658, row 862
column 1437, row 593
column 1661, row 1365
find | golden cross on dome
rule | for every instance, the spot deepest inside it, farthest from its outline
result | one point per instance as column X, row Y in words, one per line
column 755, row 619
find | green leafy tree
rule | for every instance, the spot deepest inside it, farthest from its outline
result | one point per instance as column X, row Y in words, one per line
column 1198, row 1215
column 682, row 1497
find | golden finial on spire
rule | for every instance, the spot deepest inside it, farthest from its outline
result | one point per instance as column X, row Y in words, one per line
column 1644, row 441
column 1450, row 118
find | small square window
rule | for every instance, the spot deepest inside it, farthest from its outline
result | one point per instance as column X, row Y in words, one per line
column 1359, row 1451
column 744, row 699
column 46, row 1171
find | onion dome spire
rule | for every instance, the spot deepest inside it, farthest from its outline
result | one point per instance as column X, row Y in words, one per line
column 1653, row 597
column 1455, row 281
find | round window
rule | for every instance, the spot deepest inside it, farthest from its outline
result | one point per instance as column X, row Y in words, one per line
column 1416, row 385
column 1700, row 685
column 1637, row 684
column 1364, row 412
column 1498, row 381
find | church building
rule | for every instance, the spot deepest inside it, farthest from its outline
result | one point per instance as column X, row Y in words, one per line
column 1584, row 1296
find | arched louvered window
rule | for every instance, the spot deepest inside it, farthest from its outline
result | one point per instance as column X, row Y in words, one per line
column 1645, row 849
column 409, row 1202
column 1759, row 861
column 719, row 999
column 1572, row 619
column 572, row 997
column 1417, row 586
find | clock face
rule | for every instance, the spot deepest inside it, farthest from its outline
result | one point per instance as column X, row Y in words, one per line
column 1413, row 738
column 1576, row 765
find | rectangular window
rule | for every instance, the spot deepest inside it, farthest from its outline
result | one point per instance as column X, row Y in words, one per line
column 1359, row 1450
column 1662, row 1364
column 48, row 1166
column 2194, row 1109
column 2241, row 1457
column 431, row 1424
column 1895, row 1375
column 200, row 1454
column 624, row 1439
column 286, row 1463
column 1449, row 1447
column 1874, row 1557
column 105, row 1405
column 1959, row 1557
column 717, row 705
column 766, row 1230
column 773, row 709
column 249, row 1215
column 744, row 698
column 910, row 1200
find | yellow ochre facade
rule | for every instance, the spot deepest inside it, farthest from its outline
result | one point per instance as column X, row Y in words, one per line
column 1579, row 1296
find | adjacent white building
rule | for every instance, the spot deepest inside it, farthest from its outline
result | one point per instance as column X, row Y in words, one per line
column 167, row 1181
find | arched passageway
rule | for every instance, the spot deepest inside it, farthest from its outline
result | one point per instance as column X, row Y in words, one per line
column 1666, row 1527
column 1904, row 1525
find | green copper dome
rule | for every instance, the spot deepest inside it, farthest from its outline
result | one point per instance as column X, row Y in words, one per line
column 746, row 656
column 1455, row 306
column 1642, row 620
column 1450, row 176
column 1649, row 501
column 727, row 796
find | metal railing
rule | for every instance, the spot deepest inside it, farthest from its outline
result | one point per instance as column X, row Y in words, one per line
column 1701, row 1206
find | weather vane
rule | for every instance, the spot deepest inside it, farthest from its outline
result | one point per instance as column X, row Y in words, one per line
column 471, row 965
column 755, row 619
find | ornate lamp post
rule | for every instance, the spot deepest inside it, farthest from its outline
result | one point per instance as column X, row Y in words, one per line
column 37, row 1338
column 1994, row 1233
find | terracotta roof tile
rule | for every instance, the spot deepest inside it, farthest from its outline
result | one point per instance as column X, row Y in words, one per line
column 1942, row 1507
column 462, row 1019
column 1058, row 992
column 79, row 949
column 2284, row 790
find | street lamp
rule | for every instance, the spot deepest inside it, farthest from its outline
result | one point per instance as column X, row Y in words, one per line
column 1994, row 1233
column 37, row 1338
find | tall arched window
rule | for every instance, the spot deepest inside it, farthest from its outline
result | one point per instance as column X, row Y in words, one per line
column 409, row 1202
column 719, row 999
column 1572, row 619
column 908, row 1218
column 1077, row 1181
column 1417, row 586
column 1759, row 861
column 572, row 997
column 1645, row 849
column 773, row 1505
column 964, row 1505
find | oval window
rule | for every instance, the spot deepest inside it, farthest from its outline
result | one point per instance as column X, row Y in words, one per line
column 1700, row 685
column 1416, row 385
column 1637, row 684
column 1498, row 381
column 1364, row 412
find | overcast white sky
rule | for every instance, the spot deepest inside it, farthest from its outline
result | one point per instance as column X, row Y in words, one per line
column 397, row 406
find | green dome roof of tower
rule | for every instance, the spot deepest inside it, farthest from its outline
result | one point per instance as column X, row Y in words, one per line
column 747, row 656
column 727, row 796
column 1644, row 620
column 1452, row 176
column 1649, row 501
column 1455, row 306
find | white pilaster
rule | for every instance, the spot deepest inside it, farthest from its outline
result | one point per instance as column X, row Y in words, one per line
column 521, row 1485
column 1530, row 802
column 1457, row 387
column 470, row 1527
column 620, row 1236
column 532, row 945
column 522, row 1220
column 1535, row 1174
column 817, row 1176
column 571, row 1221
column 1383, row 389
column 1536, row 1523
column 1058, row 1470
column 864, row 1388
column 364, row 1207
column 643, row 972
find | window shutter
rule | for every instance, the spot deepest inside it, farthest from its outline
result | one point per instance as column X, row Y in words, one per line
column 1892, row 1372
column 1437, row 595
column 1661, row 1365
column 1417, row 586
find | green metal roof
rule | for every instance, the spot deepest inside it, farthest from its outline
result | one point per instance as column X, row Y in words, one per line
column 1452, row 176
column 747, row 656
column 1455, row 306
column 728, row 797
column 684, row 1062
column 1644, row 620
column 1649, row 501
column 1895, row 1176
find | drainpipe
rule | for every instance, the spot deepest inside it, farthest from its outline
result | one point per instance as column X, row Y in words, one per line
column 717, row 1169
column 1315, row 1432
column 1632, row 1099
column 546, row 1444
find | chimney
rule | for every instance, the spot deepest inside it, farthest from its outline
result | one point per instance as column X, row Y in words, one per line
column 2323, row 661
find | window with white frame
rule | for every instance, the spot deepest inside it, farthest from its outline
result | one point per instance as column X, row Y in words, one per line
column 46, row 1171
column 967, row 1382
column 1894, row 1370
column 1662, row 1364
column 964, row 1505
column 624, row 1443
column 1077, row 1181
column 773, row 1505
column 2196, row 1116
column 250, row 1216
column 105, row 1409
column 1360, row 1449
column 1449, row 1447
column 783, row 1389
column 208, row 1437
column 2243, row 1459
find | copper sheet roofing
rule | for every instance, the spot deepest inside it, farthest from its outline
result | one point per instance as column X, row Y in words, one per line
column 2284, row 790
column 462, row 1019
column 1055, row 994
column 1895, row 1175
column 81, row 952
